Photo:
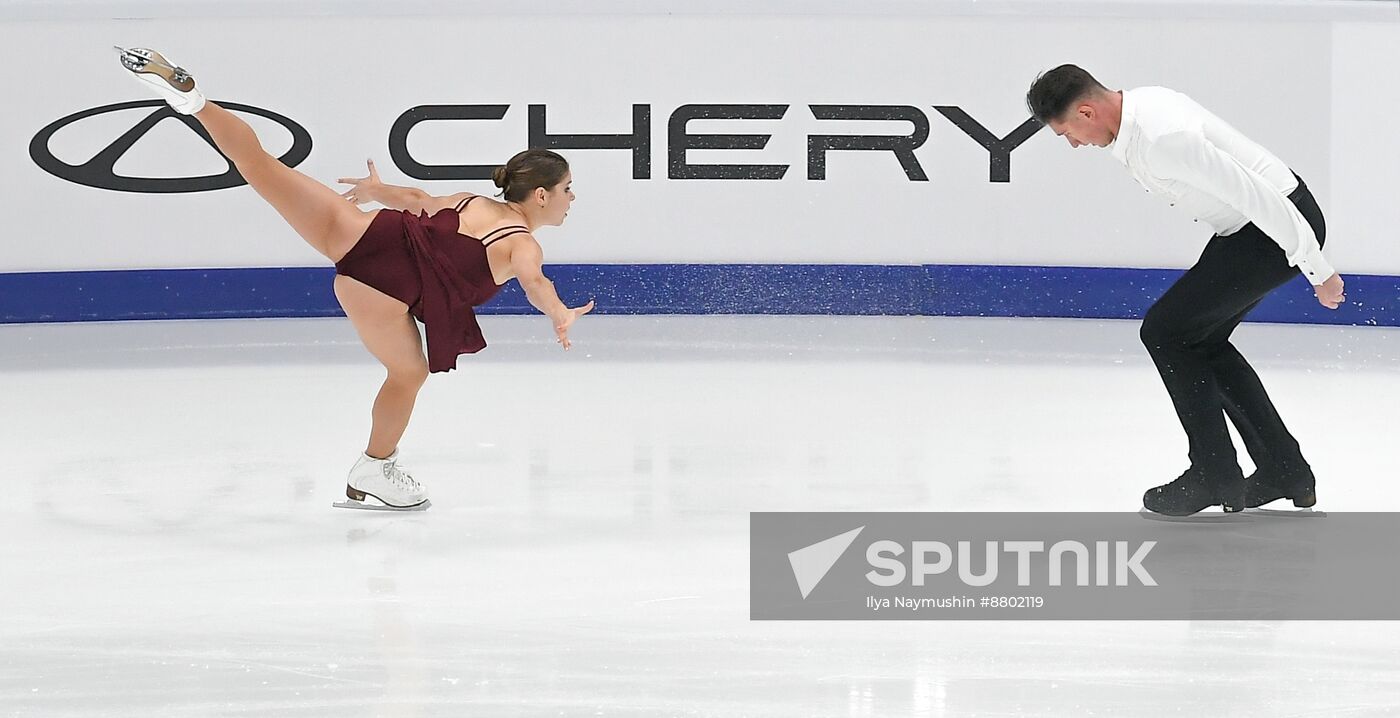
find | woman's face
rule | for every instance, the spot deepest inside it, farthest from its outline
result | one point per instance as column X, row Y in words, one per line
column 558, row 200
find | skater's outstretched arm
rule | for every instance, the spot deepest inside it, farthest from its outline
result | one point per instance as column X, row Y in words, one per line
column 527, row 261
column 370, row 189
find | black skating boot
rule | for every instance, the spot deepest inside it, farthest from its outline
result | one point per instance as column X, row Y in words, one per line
column 1195, row 491
column 1274, row 483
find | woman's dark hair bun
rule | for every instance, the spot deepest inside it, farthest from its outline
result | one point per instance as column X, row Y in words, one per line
column 528, row 170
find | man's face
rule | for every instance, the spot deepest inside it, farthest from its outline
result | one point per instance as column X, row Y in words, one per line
column 1083, row 125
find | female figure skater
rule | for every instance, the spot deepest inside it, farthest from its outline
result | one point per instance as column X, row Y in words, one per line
column 430, row 258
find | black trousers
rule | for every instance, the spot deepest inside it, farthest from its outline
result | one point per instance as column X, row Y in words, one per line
column 1187, row 332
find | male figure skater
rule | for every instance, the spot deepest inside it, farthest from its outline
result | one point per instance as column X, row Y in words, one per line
column 1267, row 228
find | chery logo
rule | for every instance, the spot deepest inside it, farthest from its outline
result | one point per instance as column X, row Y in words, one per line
column 99, row 171
column 681, row 138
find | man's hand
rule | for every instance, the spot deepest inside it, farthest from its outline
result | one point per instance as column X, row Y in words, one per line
column 1330, row 293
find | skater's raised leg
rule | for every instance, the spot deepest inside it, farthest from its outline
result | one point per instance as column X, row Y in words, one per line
column 321, row 216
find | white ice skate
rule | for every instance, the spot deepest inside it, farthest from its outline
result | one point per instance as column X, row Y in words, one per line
column 174, row 84
column 382, row 485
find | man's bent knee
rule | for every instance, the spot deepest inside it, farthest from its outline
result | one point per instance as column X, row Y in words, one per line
column 1158, row 330
column 1161, row 330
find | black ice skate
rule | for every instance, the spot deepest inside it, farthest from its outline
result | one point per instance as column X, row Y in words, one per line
column 1193, row 492
column 1267, row 485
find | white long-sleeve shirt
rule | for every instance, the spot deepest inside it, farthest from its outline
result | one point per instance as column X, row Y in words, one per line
column 1174, row 147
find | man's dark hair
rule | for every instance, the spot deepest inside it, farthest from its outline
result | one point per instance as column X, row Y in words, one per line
column 1055, row 92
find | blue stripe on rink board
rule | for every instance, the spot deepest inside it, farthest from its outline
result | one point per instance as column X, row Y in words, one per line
column 843, row 289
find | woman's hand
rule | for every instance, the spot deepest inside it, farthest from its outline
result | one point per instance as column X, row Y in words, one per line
column 363, row 189
column 565, row 319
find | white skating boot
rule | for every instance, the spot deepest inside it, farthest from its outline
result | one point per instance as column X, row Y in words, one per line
column 171, row 82
column 383, row 485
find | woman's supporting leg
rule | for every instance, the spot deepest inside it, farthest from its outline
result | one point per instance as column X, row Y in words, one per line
column 323, row 218
column 392, row 337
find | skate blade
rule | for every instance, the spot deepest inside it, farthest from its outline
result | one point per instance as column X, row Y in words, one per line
column 1201, row 517
column 363, row 506
column 150, row 62
column 1308, row 513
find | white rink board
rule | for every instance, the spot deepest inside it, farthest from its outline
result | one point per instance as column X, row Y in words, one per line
column 351, row 77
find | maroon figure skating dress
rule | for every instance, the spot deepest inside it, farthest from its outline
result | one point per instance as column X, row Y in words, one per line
column 440, row 273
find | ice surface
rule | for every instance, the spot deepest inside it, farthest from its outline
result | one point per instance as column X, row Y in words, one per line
column 168, row 548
